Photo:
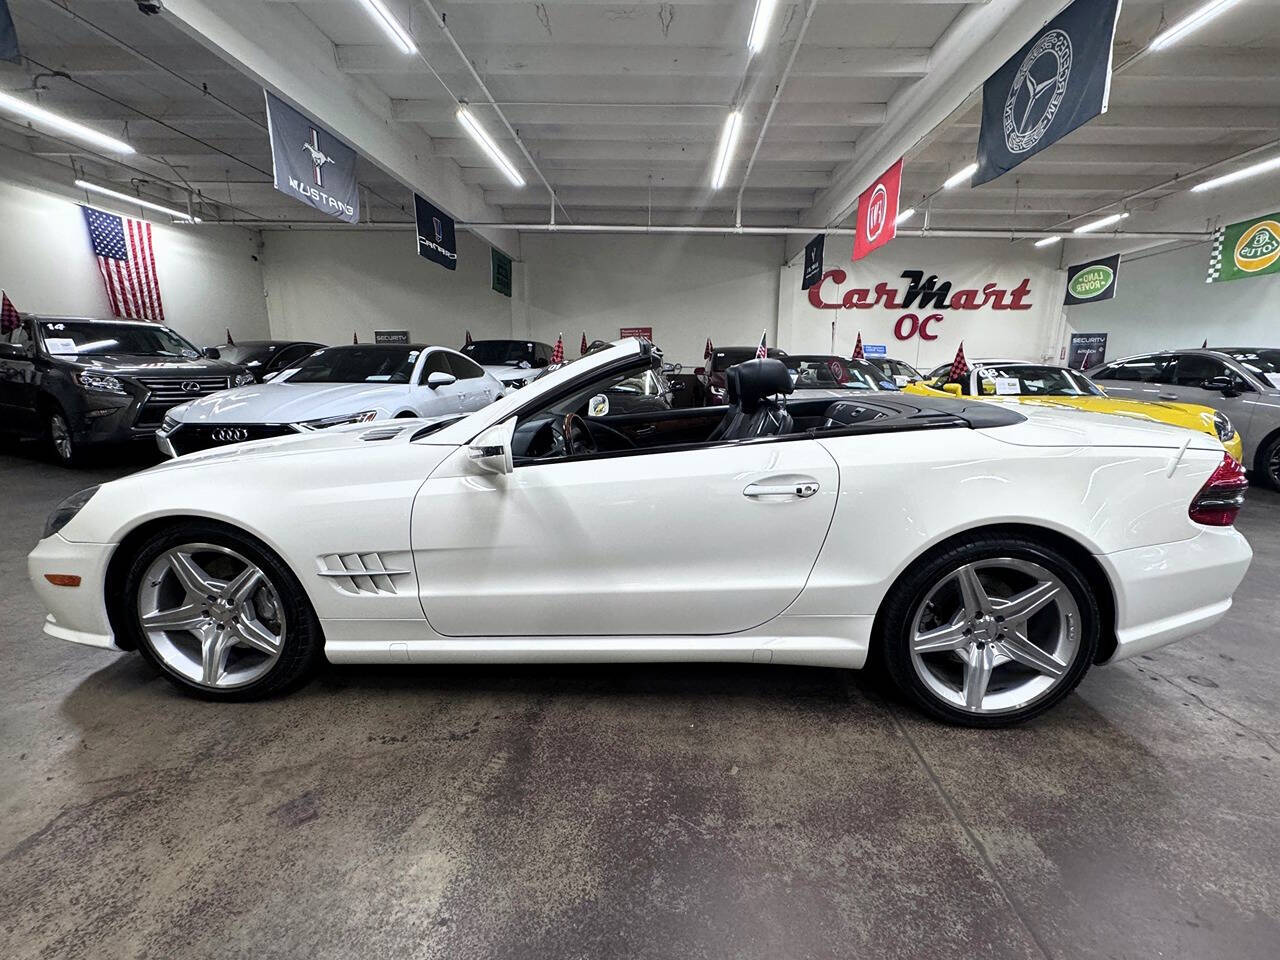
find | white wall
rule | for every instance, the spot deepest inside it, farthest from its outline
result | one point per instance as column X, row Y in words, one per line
column 325, row 285
column 686, row 288
column 208, row 278
column 1162, row 302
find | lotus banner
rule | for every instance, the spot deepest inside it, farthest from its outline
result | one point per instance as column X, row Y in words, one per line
column 1250, row 248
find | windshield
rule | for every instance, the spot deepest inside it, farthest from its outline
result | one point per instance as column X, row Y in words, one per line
column 1261, row 362
column 723, row 359
column 495, row 352
column 832, row 373
column 81, row 338
column 357, row 364
column 1029, row 380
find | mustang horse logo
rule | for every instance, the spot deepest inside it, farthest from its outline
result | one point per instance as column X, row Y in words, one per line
column 318, row 157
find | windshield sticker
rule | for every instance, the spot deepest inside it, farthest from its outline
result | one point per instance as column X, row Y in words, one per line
column 598, row 406
column 900, row 380
column 60, row 345
column 1275, row 379
column 1008, row 386
column 413, row 356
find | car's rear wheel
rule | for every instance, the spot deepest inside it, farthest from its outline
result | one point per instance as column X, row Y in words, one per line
column 1269, row 462
column 991, row 631
column 220, row 614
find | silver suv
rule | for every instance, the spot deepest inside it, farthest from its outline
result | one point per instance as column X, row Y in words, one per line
column 1242, row 382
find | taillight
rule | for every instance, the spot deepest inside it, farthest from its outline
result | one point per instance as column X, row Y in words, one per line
column 1222, row 495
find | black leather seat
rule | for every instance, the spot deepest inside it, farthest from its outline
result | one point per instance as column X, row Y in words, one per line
column 750, row 388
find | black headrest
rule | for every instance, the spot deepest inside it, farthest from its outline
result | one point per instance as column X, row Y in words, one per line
column 753, row 380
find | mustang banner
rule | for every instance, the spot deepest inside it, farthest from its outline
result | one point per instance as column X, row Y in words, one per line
column 437, row 240
column 1092, row 281
column 878, row 212
column 1250, row 248
column 1058, row 81
column 310, row 164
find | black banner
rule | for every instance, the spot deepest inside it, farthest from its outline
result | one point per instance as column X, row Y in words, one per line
column 310, row 164
column 501, row 272
column 8, row 36
column 1087, row 350
column 436, row 240
column 1092, row 281
column 1058, row 81
column 813, row 261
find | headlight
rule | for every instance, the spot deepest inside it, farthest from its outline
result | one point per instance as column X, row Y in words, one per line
column 1223, row 427
column 66, row 510
column 362, row 417
column 100, row 382
column 243, row 379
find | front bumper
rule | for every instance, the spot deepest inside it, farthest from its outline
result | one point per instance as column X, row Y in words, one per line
column 1173, row 590
column 174, row 440
column 78, row 613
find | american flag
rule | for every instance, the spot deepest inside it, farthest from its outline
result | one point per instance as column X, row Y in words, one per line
column 557, row 352
column 959, row 367
column 762, row 351
column 9, row 319
column 127, row 263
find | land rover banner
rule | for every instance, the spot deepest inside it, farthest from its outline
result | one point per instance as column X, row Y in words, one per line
column 1092, row 281
column 310, row 164
column 1250, row 248
column 1058, row 81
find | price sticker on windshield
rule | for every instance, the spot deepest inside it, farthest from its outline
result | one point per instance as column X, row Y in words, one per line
column 1008, row 386
column 60, row 345
column 598, row 406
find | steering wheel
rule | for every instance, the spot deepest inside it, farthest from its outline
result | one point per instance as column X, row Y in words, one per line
column 577, row 436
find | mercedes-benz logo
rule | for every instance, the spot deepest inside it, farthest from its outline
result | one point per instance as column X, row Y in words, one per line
column 1037, row 91
column 190, row 386
column 230, row 434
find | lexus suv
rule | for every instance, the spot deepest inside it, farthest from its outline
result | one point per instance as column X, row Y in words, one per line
column 79, row 383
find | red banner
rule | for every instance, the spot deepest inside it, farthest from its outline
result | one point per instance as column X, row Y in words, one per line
column 878, row 212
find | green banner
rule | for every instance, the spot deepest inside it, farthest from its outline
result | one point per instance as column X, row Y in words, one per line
column 1250, row 248
column 501, row 272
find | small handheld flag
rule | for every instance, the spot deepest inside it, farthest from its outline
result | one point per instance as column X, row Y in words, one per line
column 557, row 352
column 230, row 342
column 762, row 351
column 857, row 347
column 582, row 349
column 354, row 338
column 1205, row 345
column 708, row 351
column 9, row 319
column 469, row 340
column 959, row 366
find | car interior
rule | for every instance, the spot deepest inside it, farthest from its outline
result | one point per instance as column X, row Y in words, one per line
column 578, row 423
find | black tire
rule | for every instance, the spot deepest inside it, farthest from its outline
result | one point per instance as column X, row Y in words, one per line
column 912, row 589
column 303, row 643
column 1267, row 463
column 59, row 441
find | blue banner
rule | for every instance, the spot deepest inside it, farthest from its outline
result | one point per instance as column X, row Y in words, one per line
column 1058, row 81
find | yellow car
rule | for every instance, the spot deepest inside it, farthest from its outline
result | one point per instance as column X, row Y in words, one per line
column 1049, row 386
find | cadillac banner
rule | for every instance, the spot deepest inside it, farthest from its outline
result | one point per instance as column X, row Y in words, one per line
column 813, row 261
column 310, row 164
column 436, row 238
column 1058, row 81
column 1092, row 281
column 1250, row 248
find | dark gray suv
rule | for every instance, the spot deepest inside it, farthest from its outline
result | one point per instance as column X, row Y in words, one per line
column 78, row 382
column 1242, row 382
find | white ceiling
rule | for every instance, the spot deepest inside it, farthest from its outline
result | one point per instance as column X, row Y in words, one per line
column 621, row 105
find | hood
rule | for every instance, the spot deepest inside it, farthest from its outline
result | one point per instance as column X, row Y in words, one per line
column 504, row 372
column 124, row 364
column 287, row 402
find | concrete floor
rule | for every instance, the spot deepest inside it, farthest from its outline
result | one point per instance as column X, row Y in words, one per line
column 595, row 812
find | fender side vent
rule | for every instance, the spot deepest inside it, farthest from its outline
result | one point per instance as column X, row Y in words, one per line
column 366, row 574
column 382, row 433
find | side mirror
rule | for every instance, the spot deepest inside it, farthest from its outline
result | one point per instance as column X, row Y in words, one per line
column 1223, row 383
column 490, row 452
column 953, row 389
column 440, row 379
column 14, row 351
column 212, row 353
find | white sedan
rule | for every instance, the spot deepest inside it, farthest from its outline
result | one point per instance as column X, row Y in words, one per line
column 332, row 387
column 989, row 556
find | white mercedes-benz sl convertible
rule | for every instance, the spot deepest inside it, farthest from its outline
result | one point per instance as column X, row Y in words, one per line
column 986, row 556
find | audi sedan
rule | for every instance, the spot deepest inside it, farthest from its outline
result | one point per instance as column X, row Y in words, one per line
column 1015, row 548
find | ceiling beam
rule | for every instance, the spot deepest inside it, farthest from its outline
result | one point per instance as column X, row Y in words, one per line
column 609, row 151
column 667, row 114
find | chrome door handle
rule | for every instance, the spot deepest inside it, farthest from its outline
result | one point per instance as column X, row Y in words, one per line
column 801, row 489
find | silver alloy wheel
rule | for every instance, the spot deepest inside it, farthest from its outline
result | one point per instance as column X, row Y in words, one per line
column 995, row 635
column 211, row 615
column 1273, row 465
column 61, row 436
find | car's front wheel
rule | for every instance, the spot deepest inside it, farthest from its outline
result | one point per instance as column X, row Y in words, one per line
column 990, row 631
column 221, row 615
column 60, row 440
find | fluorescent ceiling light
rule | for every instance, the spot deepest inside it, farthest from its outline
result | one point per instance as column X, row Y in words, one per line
column 390, row 25
column 1099, row 224
column 1252, row 171
column 137, row 201
column 960, row 176
column 905, row 215
column 1048, row 241
column 486, row 143
column 72, row 129
column 728, row 139
column 760, row 24
column 1191, row 23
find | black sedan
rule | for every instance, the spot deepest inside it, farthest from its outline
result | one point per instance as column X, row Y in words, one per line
column 264, row 357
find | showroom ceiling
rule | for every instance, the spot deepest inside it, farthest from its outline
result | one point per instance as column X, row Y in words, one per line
column 621, row 106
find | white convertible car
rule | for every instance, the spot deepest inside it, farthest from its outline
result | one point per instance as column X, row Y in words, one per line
column 987, row 556
column 331, row 387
